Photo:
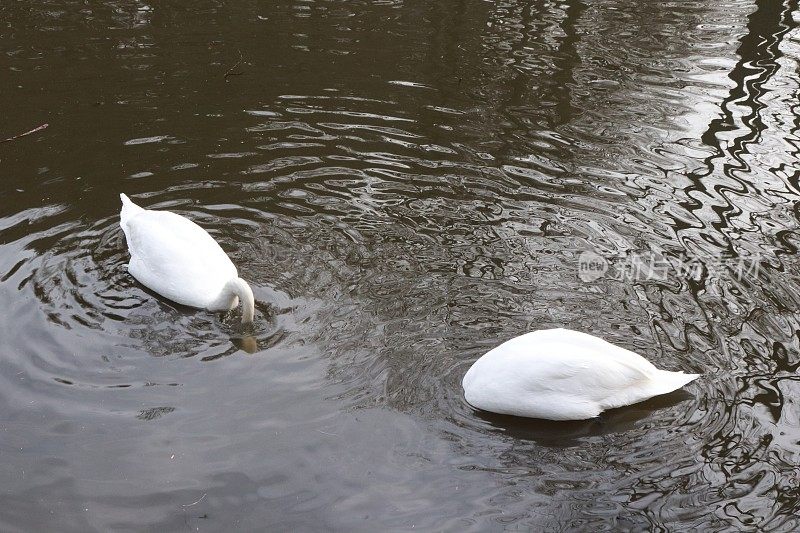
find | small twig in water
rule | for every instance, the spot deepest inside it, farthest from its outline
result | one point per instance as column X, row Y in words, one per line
column 231, row 70
column 198, row 501
column 34, row 130
column 326, row 433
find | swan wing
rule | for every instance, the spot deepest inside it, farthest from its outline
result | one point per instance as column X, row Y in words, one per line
column 558, row 367
column 176, row 258
column 561, row 354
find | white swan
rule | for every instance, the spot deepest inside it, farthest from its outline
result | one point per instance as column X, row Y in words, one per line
column 179, row 260
column 559, row 374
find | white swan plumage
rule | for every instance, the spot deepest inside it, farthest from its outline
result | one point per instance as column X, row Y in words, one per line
column 560, row 374
column 176, row 258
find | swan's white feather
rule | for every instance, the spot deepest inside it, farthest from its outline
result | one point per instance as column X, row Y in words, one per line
column 175, row 257
column 559, row 374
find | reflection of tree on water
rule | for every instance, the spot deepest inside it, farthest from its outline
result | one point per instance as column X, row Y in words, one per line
column 535, row 51
column 726, row 200
column 759, row 52
column 553, row 83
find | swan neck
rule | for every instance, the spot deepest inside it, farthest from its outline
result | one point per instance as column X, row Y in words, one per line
column 239, row 287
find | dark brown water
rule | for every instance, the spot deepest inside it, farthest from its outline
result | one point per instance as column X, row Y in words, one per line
column 405, row 184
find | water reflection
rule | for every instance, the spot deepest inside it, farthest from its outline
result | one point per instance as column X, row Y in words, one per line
column 406, row 186
column 569, row 434
column 246, row 343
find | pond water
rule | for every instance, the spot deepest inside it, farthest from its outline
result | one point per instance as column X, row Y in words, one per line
column 405, row 185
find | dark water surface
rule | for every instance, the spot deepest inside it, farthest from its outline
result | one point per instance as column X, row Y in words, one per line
column 405, row 184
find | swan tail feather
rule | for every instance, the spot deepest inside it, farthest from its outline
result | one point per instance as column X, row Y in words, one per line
column 663, row 382
column 128, row 210
column 669, row 381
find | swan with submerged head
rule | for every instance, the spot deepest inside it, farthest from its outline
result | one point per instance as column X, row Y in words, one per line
column 176, row 258
column 559, row 374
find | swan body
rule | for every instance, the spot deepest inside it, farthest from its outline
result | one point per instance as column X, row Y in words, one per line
column 179, row 260
column 559, row 374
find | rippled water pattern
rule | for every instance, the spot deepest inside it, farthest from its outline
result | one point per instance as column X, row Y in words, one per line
column 405, row 184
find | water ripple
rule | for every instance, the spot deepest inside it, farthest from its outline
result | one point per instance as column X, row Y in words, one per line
column 405, row 186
